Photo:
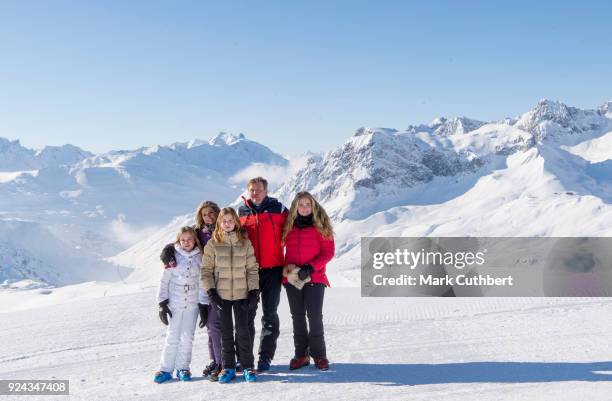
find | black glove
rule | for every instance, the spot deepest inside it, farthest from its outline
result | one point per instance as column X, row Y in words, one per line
column 168, row 256
column 164, row 311
column 215, row 299
column 305, row 271
column 253, row 299
column 203, row 315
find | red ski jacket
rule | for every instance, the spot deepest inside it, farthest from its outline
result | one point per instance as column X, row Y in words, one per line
column 307, row 245
column 265, row 225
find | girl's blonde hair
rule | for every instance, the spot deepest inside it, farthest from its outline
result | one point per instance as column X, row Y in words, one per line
column 219, row 234
column 320, row 219
column 188, row 230
column 198, row 216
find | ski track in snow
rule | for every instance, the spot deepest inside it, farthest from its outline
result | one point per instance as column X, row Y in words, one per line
column 379, row 348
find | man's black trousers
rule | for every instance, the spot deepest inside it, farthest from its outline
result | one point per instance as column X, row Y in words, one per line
column 270, row 289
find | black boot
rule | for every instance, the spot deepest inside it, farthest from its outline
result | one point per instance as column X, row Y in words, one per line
column 214, row 375
column 209, row 369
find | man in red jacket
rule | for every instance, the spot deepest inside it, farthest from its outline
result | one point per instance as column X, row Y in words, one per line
column 264, row 219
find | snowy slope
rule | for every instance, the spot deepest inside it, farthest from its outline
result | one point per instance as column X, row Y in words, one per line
column 594, row 150
column 504, row 349
column 533, row 196
column 143, row 257
column 32, row 256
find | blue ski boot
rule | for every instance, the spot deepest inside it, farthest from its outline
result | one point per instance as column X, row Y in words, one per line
column 183, row 375
column 227, row 375
column 162, row 376
column 249, row 375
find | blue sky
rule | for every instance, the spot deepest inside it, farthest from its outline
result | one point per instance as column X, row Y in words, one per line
column 292, row 75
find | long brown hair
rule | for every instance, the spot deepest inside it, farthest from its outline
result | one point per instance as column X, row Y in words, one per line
column 219, row 234
column 320, row 219
column 198, row 217
column 191, row 231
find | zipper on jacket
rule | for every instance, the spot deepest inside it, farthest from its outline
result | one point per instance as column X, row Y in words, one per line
column 273, row 230
column 258, row 237
column 299, row 246
column 272, row 223
column 256, row 213
column 232, row 268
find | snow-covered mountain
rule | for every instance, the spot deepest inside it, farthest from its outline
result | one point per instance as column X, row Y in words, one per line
column 167, row 179
column 100, row 204
column 374, row 169
column 442, row 126
column 115, row 185
column 547, row 172
column 379, row 168
column 224, row 155
column 15, row 157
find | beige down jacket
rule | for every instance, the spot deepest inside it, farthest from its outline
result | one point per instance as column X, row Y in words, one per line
column 230, row 267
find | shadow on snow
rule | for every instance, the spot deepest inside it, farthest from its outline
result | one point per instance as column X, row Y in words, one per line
column 469, row 372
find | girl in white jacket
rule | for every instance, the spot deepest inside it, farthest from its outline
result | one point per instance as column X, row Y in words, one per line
column 180, row 300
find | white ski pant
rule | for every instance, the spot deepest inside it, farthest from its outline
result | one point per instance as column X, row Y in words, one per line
column 179, row 340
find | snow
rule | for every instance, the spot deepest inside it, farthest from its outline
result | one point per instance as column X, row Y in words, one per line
column 509, row 185
column 595, row 150
column 80, row 237
column 94, row 203
column 546, row 173
column 12, row 175
column 379, row 348
column 29, row 250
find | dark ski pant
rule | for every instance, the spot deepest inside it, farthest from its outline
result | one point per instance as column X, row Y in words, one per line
column 213, row 325
column 307, row 302
column 270, row 289
column 243, row 345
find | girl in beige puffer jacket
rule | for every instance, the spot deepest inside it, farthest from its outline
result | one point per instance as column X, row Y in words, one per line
column 230, row 276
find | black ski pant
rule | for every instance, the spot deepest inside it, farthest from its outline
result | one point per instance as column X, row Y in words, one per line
column 270, row 289
column 307, row 302
column 244, row 344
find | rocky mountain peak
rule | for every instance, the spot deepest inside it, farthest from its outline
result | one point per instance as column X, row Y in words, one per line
column 224, row 138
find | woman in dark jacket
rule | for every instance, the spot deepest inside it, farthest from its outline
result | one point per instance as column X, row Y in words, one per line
column 309, row 246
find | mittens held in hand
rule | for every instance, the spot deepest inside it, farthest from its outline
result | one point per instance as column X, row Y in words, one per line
column 292, row 273
column 305, row 272
column 164, row 312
